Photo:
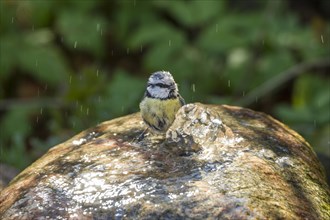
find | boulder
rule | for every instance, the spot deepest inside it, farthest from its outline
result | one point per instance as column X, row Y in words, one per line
column 215, row 162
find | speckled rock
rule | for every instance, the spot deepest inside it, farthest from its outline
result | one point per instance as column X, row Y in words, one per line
column 215, row 162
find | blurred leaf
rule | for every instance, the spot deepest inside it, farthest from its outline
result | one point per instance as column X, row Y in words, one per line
column 16, row 123
column 83, row 6
column 124, row 93
column 45, row 63
column 313, row 94
column 229, row 32
column 39, row 12
column 272, row 64
column 82, row 31
column 8, row 50
column 311, row 104
column 157, row 33
column 7, row 17
column 192, row 13
column 16, row 155
column 88, row 82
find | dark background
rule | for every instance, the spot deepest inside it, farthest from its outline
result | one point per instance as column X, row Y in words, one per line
column 68, row 65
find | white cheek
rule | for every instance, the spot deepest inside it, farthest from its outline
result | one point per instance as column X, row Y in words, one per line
column 158, row 92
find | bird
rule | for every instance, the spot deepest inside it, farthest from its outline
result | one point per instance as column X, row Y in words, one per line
column 160, row 102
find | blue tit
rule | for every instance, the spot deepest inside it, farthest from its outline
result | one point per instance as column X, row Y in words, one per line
column 161, row 102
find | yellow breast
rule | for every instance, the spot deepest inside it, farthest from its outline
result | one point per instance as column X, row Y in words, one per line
column 159, row 114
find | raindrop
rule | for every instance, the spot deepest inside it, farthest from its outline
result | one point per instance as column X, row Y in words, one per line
column 263, row 42
column 37, row 119
column 243, row 93
column 70, row 80
column 134, row 3
column 322, row 40
column 97, row 73
column 216, row 28
column 228, row 83
column 41, row 111
column 127, row 50
column 81, row 108
column 256, row 99
column 101, row 32
column 12, row 19
column 32, row 27
column 169, row 43
column 98, row 26
column 75, row 44
column 87, row 111
column 193, row 87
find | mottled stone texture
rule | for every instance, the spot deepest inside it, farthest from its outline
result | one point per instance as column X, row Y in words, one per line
column 215, row 162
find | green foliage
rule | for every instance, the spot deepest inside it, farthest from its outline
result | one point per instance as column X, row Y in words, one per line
column 74, row 24
column 17, row 128
column 309, row 112
column 68, row 65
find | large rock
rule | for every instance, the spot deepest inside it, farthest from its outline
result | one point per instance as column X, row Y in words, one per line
column 215, row 162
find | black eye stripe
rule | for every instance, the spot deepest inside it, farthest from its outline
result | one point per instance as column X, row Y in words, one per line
column 161, row 85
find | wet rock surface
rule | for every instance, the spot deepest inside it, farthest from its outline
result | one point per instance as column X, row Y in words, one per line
column 214, row 162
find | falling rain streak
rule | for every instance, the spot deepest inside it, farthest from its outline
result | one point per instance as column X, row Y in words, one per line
column 322, row 40
column 75, row 44
column 127, row 50
column 97, row 73
column 169, row 43
column 193, row 87
column 228, row 83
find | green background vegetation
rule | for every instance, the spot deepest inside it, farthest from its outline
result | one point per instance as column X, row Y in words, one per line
column 68, row 65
